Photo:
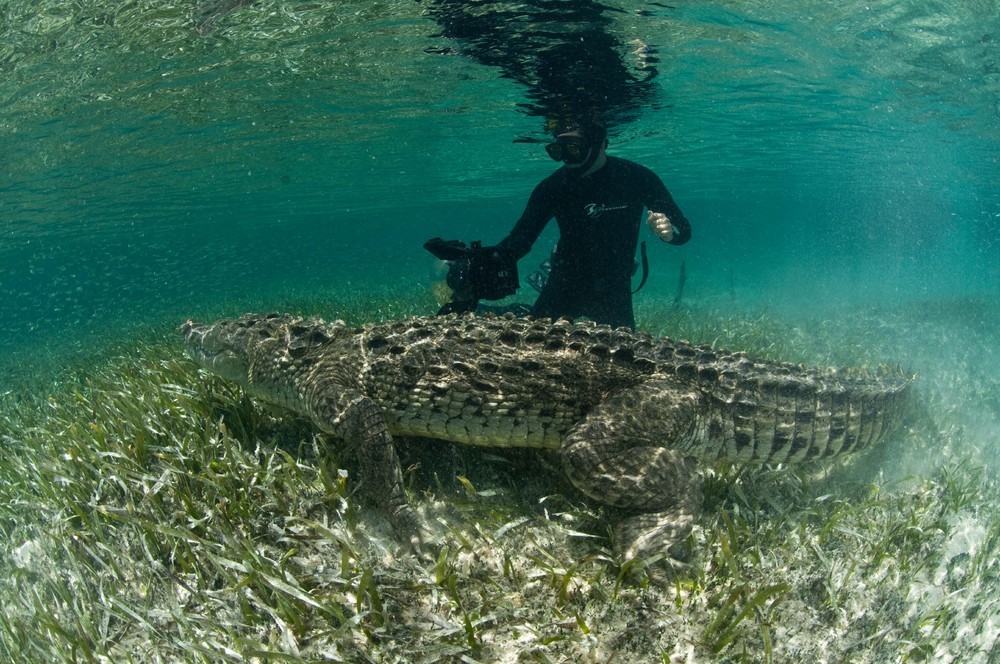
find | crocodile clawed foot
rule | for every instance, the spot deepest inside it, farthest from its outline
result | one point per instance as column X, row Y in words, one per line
column 659, row 570
column 655, row 544
column 412, row 530
column 424, row 545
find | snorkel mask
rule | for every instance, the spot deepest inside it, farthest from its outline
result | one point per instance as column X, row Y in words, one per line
column 578, row 146
column 570, row 150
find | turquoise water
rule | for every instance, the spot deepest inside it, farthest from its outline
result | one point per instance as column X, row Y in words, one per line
column 159, row 161
column 163, row 160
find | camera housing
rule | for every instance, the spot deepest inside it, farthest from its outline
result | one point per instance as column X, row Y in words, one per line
column 475, row 273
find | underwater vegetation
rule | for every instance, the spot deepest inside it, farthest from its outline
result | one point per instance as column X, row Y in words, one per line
column 151, row 512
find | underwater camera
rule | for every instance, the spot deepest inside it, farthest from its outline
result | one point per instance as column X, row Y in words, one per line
column 474, row 273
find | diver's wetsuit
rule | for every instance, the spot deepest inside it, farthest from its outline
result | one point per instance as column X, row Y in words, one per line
column 599, row 218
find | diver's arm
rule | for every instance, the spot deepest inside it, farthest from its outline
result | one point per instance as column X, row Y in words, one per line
column 665, row 218
column 536, row 215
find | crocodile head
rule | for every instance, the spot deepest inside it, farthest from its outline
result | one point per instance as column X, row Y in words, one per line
column 230, row 347
column 223, row 347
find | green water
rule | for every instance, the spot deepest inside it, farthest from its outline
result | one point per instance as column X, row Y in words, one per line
column 162, row 160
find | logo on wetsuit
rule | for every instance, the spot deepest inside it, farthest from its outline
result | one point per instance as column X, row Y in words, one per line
column 595, row 210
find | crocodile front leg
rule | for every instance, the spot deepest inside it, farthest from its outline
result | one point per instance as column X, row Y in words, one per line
column 628, row 453
column 358, row 420
column 382, row 476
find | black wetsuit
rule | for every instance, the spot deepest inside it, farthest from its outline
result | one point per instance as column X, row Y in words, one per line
column 599, row 217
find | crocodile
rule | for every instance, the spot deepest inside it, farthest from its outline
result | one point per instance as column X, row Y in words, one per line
column 634, row 418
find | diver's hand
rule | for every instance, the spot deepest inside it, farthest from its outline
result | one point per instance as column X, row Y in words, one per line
column 660, row 224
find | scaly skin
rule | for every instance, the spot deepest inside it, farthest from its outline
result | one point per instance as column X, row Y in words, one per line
column 632, row 416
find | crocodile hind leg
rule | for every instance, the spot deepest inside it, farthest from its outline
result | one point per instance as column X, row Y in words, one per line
column 628, row 453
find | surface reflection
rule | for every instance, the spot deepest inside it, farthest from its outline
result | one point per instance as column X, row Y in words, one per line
column 564, row 53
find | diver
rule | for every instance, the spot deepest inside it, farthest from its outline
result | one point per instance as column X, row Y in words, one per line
column 597, row 201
